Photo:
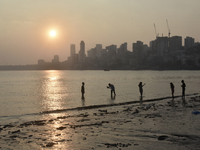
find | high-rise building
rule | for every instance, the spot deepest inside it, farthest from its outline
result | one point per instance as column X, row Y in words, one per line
column 72, row 50
column 153, row 46
column 111, row 50
column 56, row 59
column 82, row 55
column 98, row 50
column 122, row 49
column 95, row 52
column 138, row 51
column 92, row 53
column 41, row 62
column 138, row 47
column 175, row 43
column 159, row 46
column 162, row 45
column 189, row 42
column 73, row 56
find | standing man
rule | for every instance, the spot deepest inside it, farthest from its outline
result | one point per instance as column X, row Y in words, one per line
column 140, row 85
column 172, row 89
column 112, row 87
column 83, row 89
column 183, row 89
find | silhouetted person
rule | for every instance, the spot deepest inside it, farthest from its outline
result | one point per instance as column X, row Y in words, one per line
column 141, row 98
column 83, row 89
column 112, row 87
column 183, row 89
column 172, row 89
column 83, row 102
column 141, row 88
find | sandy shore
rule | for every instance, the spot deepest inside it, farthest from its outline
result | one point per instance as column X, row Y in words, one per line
column 165, row 124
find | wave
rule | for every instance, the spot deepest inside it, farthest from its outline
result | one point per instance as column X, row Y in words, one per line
column 95, row 106
column 110, row 105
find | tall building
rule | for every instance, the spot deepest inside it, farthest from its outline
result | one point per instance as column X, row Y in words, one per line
column 162, row 45
column 56, row 59
column 153, row 46
column 189, row 42
column 137, row 47
column 138, row 51
column 145, row 48
column 98, row 50
column 72, row 50
column 95, row 52
column 73, row 56
column 175, row 43
column 122, row 49
column 82, row 55
column 41, row 62
column 111, row 50
column 92, row 53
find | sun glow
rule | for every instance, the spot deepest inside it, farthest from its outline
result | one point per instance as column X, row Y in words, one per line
column 52, row 33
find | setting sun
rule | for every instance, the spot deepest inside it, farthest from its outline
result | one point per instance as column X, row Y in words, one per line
column 52, row 33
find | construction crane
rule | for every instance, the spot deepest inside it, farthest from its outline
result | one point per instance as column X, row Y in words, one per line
column 168, row 29
column 155, row 30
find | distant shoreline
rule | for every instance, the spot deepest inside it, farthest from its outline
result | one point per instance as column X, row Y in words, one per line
column 62, row 67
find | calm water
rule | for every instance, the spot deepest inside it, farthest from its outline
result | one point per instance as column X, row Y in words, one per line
column 24, row 93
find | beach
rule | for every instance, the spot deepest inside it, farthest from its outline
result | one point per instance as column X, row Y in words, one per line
column 157, row 124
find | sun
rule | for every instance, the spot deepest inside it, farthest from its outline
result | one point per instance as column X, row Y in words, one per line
column 52, row 33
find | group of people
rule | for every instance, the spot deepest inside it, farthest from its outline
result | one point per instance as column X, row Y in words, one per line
column 171, row 86
column 112, row 87
column 183, row 85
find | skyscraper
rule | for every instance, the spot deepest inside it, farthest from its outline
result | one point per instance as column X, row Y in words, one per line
column 72, row 50
column 162, row 45
column 56, row 59
column 175, row 43
column 122, row 49
column 189, row 42
column 82, row 55
column 98, row 49
column 138, row 51
column 111, row 50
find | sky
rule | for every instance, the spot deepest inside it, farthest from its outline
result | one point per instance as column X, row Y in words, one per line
column 25, row 25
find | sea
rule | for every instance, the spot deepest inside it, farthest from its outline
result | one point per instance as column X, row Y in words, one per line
column 27, row 95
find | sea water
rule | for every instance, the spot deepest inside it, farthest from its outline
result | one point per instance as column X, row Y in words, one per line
column 25, row 95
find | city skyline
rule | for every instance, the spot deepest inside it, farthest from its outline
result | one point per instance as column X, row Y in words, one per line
column 171, row 44
column 79, row 49
column 24, row 25
column 164, row 53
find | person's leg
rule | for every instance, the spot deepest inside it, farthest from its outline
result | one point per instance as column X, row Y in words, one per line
column 82, row 94
column 183, row 94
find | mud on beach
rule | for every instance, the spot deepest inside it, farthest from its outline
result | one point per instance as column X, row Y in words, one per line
column 150, row 124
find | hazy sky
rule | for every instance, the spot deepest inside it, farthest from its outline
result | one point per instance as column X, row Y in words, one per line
column 24, row 25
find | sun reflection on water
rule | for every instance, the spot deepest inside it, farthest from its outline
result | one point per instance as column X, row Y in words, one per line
column 52, row 90
column 53, row 97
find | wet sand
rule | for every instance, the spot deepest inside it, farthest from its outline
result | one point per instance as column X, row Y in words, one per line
column 154, row 124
